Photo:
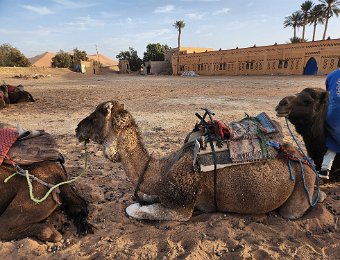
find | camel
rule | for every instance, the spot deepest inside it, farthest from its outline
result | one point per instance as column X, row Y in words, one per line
column 307, row 112
column 20, row 217
column 15, row 94
column 173, row 186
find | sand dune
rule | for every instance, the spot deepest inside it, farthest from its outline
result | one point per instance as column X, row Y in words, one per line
column 45, row 60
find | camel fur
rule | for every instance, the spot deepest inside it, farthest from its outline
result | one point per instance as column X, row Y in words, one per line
column 250, row 188
column 20, row 217
column 307, row 112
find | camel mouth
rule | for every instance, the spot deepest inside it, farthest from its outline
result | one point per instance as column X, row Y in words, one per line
column 278, row 114
column 83, row 139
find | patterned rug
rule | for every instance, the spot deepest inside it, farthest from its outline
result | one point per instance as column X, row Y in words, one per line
column 246, row 144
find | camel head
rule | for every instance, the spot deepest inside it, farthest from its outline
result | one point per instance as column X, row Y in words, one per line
column 308, row 104
column 102, row 126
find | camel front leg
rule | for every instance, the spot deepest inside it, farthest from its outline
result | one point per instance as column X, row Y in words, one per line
column 158, row 212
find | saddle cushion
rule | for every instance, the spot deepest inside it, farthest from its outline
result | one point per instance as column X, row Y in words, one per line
column 246, row 144
column 39, row 148
column 8, row 136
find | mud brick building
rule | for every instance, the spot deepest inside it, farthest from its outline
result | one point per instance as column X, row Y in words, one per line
column 308, row 58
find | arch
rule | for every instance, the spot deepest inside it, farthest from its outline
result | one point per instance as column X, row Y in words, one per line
column 311, row 67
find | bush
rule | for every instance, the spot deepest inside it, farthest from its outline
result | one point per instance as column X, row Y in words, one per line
column 62, row 60
column 12, row 57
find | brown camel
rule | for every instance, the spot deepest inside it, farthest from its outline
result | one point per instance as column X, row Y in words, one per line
column 20, row 217
column 307, row 112
column 175, row 188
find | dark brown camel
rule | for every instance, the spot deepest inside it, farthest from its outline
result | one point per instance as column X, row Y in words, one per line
column 20, row 217
column 175, row 188
column 307, row 111
column 16, row 96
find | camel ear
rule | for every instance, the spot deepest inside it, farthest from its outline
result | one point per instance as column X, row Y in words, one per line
column 107, row 108
column 324, row 97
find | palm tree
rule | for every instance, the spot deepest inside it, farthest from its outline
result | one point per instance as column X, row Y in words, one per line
column 330, row 8
column 305, row 8
column 294, row 20
column 316, row 17
column 179, row 25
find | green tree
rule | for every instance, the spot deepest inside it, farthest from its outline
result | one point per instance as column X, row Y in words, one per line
column 294, row 21
column 155, row 52
column 330, row 8
column 132, row 56
column 12, row 57
column 305, row 8
column 316, row 17
column 62, row 60
column 179, row 25
column 78, row 56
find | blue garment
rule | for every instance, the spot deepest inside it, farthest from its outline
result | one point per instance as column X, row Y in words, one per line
column 333, row 113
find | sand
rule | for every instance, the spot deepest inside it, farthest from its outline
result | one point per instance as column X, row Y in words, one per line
column 45, row 60
column 164, row 107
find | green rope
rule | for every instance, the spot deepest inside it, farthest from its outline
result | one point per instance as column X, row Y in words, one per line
column 9, row 177
column 37, row 200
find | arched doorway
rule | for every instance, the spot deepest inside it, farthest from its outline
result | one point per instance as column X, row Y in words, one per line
column 311, row 67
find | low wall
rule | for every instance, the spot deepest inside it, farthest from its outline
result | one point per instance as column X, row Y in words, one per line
column 31, row 70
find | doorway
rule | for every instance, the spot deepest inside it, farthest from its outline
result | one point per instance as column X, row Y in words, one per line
column 311, row 67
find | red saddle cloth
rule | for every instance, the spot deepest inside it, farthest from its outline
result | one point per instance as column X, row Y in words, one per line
column 8, row 136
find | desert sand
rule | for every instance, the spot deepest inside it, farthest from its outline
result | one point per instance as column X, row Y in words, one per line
column 164, row 107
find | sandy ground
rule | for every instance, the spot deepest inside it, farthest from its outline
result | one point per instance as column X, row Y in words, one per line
column 164, row 107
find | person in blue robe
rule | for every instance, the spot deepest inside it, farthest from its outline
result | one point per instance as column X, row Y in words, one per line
column 332, row 123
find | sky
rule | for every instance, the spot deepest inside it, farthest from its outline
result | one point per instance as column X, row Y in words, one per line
column 112, row 26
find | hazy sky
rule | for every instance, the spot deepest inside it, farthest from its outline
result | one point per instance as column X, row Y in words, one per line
column 37, row 26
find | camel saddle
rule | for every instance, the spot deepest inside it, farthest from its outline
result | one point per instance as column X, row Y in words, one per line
column 240, row 142
column 26, row 147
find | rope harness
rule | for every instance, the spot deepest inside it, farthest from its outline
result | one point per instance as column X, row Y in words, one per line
column 29, row 177
column 307, row 161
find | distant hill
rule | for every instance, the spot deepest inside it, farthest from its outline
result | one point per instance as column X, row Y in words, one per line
column 45, row 60
column 42, row 60
column 105, row 61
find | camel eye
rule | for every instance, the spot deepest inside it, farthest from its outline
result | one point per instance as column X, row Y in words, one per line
column 307, row 102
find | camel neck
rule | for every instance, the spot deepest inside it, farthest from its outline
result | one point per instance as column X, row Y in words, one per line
column 313, row 138
column 134, row 158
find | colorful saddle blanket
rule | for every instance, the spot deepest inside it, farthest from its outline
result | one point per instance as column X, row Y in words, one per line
column 245, row 143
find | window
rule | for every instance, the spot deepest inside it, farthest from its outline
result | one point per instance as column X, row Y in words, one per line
column 339, row 62
column 285, row 64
